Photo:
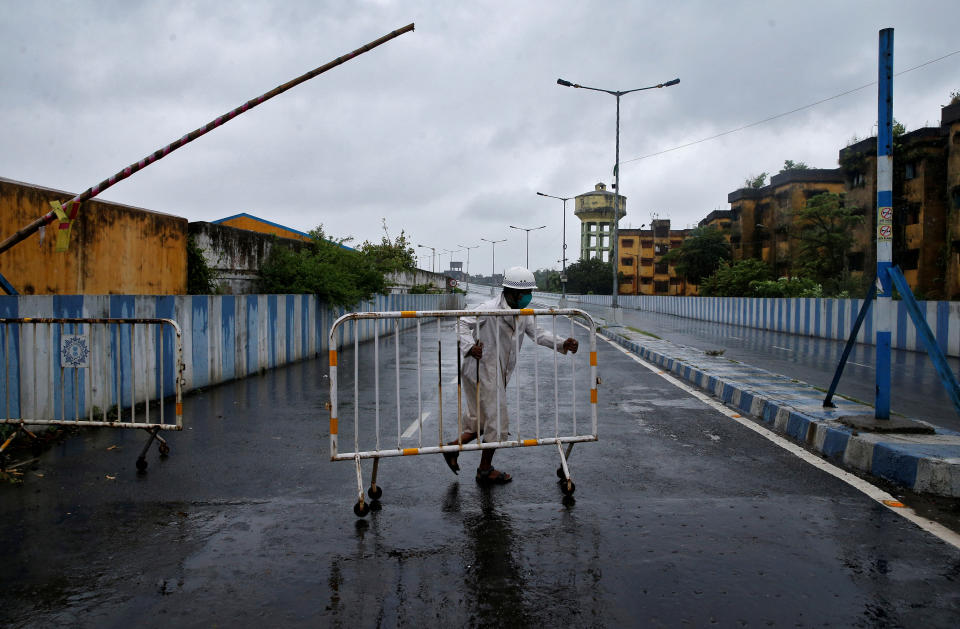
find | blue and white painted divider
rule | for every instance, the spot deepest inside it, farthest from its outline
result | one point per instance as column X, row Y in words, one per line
column 224, row 336
column 822, row 318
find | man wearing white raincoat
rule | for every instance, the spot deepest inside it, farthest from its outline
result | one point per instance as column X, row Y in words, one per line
column 478, row 349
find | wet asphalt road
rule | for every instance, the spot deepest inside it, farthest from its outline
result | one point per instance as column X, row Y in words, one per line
column 681, row 516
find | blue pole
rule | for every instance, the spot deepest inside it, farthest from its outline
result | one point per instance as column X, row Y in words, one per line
column 884, row 222
column 7, row 286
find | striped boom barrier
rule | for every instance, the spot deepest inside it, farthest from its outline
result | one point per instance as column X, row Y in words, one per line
column 362, row 409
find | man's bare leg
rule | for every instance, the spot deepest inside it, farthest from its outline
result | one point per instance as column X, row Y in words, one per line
column 450, row 458
column 466, row 437
column 486, row 466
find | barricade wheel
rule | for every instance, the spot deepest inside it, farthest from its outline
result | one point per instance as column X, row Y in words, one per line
column 375, row 492
column 361, row 509
column 141, row 464
column 567, row 487
column 164, row 449
column 560, row 473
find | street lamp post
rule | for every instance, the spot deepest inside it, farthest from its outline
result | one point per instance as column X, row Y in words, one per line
column 433, row 253
column 528, row 230
column 614, row 303
column 468, row 261
column 563, row 274
column 493, row 261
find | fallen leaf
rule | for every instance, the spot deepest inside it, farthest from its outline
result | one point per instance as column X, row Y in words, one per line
column 38, row 474
column 111, row 477
column 114, row 447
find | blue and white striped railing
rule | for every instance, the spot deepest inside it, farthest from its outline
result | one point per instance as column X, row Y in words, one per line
column 227, row 336
column 823, row 318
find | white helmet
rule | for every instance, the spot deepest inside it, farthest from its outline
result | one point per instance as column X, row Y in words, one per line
column 519, row 277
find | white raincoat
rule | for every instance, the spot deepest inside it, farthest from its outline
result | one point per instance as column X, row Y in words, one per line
column 509, row 329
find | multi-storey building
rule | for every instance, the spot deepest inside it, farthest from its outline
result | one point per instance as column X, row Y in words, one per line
column 641, row 264
column 950, row 126
column 926, row 205
column 718, row 219
column 761, row 218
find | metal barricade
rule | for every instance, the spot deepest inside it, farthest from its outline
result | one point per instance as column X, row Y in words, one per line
column 118, row 373
column 413, row 391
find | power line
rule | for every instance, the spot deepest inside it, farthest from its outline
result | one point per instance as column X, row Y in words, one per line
column 786, row 113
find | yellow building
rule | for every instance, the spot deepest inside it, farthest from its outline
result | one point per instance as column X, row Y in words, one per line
column 643, row 270
column 926, row 205
column 950, row 127
column 926, row 208
column 761, row 219
column 114, row 249
column 721, row 220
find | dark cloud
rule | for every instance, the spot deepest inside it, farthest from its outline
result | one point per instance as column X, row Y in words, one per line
column 448, row 132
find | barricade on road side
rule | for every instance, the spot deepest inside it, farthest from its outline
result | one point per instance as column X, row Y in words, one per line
column 542, row 401
column 116, row 373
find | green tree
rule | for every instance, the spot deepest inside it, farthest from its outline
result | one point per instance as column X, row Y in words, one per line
column 756, row 181
column 789, row 164
column 734, row 280
column 590, row 276
column 823, row 229
column 335, row 273
column 787, row 287
column 547, row 280
column 391, row 256
column 700, row 254
column 201, row 277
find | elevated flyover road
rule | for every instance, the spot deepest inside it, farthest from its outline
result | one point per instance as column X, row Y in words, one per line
column 682, row 515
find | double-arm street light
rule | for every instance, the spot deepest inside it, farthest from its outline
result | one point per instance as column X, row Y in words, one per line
column 617, row 315
column 563, row 274
column 433, row 250
column 468, row 261
column 528, row 230
column 493, row 261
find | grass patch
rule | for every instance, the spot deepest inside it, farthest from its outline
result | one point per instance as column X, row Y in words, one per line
column 638, row 331
column 849, row 398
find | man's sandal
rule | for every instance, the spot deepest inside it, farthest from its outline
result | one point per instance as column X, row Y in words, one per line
column 486, row 477
column 451, row 459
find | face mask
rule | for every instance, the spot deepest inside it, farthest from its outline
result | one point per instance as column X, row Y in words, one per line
column 524, row 300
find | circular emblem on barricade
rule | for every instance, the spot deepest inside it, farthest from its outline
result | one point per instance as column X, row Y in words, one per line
column 74, row 350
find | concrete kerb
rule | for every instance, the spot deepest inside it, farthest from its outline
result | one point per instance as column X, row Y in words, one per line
column 924, row 463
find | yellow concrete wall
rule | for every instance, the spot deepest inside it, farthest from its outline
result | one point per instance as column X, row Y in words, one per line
column 114, row 249
column 252, row 224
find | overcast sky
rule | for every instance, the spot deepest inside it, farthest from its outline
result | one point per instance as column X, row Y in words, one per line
column 448, row 132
